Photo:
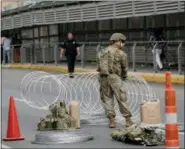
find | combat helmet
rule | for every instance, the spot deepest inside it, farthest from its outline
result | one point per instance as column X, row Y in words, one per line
column 117, row 36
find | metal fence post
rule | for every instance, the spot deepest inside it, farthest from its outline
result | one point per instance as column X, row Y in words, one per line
column 179, row 58
column 32, row 53
column 4, row 56
column 21, row 54
column 43, row 55
column 98, row 48
column 154, row 58
column 134, row 57
column 82, row 55
column 12, row 54
column 55, row 54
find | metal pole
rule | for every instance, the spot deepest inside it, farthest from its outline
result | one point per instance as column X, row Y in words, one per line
column 179, row 58
column 12, row 54
column 154, row 58
column 21, row 54
column 82, row 55
column 98, row 48
column 32, row 53
column 43, row 55
column 134, row 57
column 4, row 56
column 55, row 54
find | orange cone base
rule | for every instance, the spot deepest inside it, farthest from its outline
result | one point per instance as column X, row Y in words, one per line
column 13, row 139
column 172, row 143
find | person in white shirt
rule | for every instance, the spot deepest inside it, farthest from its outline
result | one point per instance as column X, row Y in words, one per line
column 157, row 36
column 7, row 49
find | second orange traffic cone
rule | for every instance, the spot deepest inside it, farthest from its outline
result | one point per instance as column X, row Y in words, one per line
column 171, row 131
column 13, row 131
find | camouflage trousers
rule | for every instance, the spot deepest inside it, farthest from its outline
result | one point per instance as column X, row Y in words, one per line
column 112, row 86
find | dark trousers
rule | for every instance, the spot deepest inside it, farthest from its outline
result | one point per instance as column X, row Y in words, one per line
column 71, row 63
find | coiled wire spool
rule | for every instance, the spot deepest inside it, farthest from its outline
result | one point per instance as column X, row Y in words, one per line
column 61, row 137
column 40, row 89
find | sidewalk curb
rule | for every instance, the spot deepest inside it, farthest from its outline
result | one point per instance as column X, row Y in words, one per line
column 150, row 77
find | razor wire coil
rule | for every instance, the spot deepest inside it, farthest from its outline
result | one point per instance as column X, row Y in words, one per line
column 40, row 89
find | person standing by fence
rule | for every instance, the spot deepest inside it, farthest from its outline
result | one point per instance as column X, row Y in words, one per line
column 158, row 39
column 71, row 49
column 2, row 39
column 6, row 49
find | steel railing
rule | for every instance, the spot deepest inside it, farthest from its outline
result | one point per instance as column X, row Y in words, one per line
column 139, row 54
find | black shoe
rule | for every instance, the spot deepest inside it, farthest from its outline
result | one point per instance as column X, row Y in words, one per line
column 71, row 75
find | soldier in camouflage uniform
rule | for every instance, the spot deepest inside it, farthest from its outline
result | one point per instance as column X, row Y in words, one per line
column 112, row 68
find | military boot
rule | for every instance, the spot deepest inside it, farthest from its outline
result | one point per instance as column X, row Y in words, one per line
column 128, row 121
column 112, row 123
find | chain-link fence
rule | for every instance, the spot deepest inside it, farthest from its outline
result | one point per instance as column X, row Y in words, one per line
column 141, row 54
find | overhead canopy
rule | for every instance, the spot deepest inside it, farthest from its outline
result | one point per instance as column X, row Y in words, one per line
column 41, row 5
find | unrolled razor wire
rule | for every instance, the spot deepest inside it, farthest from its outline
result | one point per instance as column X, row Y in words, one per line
column 40, row 89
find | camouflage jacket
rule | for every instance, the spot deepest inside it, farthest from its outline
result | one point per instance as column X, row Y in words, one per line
column 138, row 135
column 112, row 60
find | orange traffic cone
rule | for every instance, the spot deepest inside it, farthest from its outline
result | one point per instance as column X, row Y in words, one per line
column 171, row 131
column 13, row 131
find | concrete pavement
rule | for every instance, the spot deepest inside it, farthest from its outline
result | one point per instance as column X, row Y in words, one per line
column 147, row 74
column 28, row 117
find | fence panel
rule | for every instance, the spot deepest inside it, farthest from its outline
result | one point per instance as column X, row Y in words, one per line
column 140, row 54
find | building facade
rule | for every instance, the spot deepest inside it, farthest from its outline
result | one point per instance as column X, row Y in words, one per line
column 96, row 21
column 49, row 22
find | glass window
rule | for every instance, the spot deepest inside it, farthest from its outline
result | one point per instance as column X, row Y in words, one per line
column 80, row 37
column 104, row 25
column 62, row 37
column 119, row 24
column 79, row 26
column 105, row 36
column 181, row 18
column 136, row 22
column 173, row 34
column 92, row 37
column 27, row 33
column 27, row 42
column 70, row 27
column 54, row 39
column 176, row 19
column 136, row 35
column 53, row 29
column 159, row 21
column 91, row 26
column 148, row 35
column 155, row 21
column 36, row 32
column 36, row 41
column 43, row 31
column 182, row 34
column 44, row 40
column 149, row 22
column 62, row 28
